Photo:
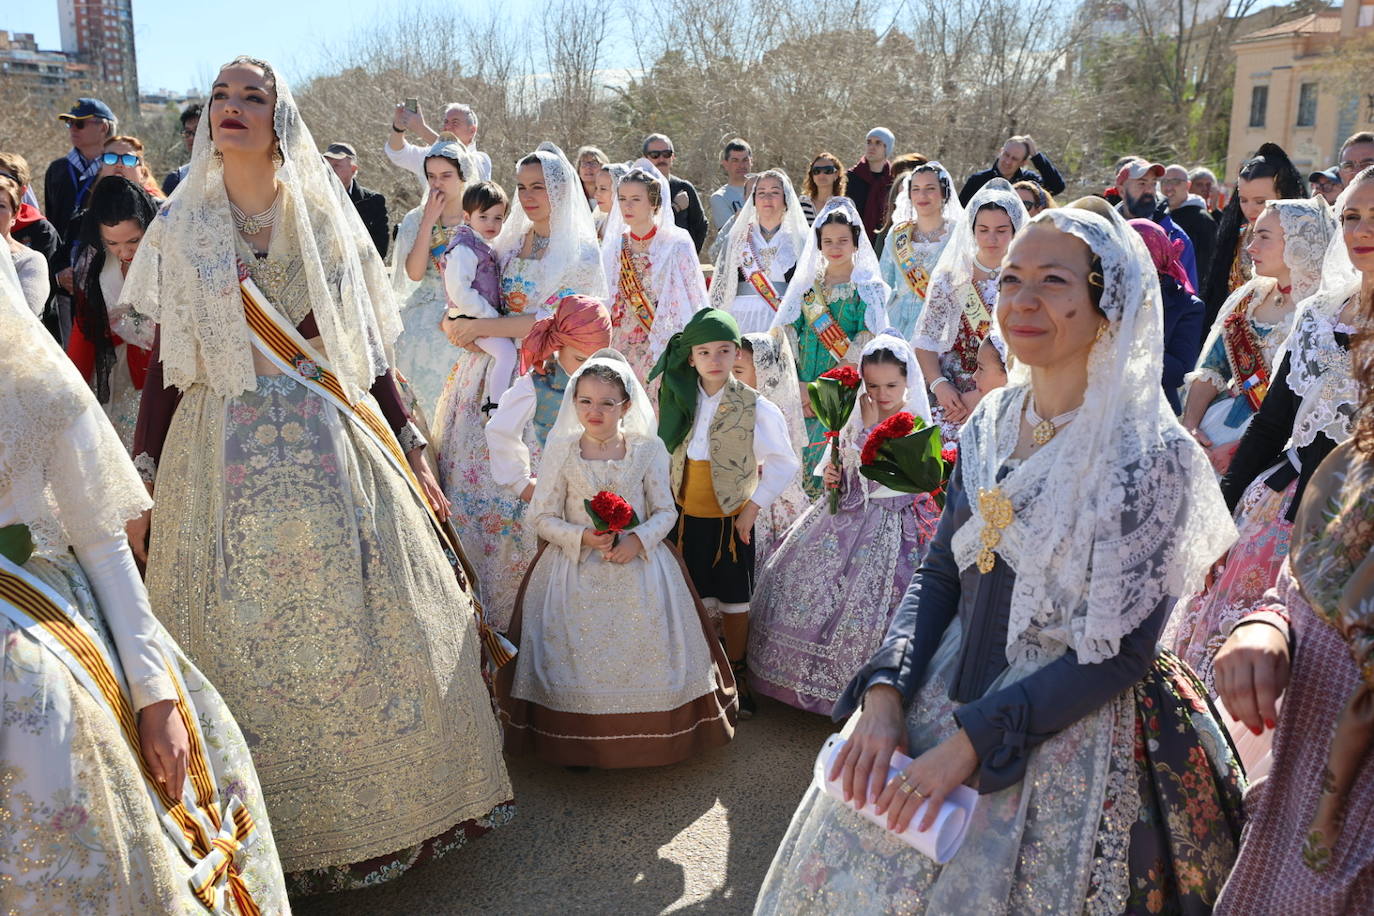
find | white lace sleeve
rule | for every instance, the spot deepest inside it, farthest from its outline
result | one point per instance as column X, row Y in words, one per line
column 658, row 493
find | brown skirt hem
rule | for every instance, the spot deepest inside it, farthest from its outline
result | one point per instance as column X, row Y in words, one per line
column 619, row 740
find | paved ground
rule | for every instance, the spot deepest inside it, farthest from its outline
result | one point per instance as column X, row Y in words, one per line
column 692, row 838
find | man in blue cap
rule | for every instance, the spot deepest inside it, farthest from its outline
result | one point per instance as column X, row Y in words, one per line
column 1326, row 184
column 89, row 123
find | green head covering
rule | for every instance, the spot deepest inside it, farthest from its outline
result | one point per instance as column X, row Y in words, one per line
column 677, row 399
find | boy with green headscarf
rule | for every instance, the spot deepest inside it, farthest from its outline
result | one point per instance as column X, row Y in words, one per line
column 730, row 457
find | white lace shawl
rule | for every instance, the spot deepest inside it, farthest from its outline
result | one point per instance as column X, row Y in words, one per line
column 905, row 212
column 674, row 272
column 938, row 324
column 185, row 276
column 1120, row 511
column 42, row 397
column 639, row 421
column 1308, row 226
column 573, row 259
column 793, row 229
column 866, row 277
column 1320, row 370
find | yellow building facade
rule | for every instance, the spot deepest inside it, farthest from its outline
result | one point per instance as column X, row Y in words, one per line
column 1279, row 96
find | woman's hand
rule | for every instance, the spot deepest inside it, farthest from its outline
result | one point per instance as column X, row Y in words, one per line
column 947, row 396
column 1201, row 437
column 136, row 530
column 806, row 400
column 629, row 547
column 1251, row 673
column 428, row 485
column 831, row 476
column 434, row 206
column 744, row 522
column 527, row 494
column 861, row 765
column 460, row 331
column 970, row 399
column 931, row 777
column 597, row 540
column 868, row 411
column 166, row 745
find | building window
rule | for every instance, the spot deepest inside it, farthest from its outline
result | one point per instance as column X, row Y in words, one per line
column 1366, row 17
column 1259, row 101
column 1307, row 105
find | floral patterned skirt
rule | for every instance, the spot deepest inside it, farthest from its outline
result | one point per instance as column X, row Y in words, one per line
column 1201, row 623
column 80, row 832
column 1135, row 808
column 825, row 599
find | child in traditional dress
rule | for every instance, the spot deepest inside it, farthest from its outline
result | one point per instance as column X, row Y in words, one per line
column 731, row 457
column 472, row 278
column 616, row 665
column 826, row 597
column 992, row 364
column 551, row 352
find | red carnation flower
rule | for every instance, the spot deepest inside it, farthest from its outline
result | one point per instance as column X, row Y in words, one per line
column 897, row 426
column 949, row 453
column 613, row 511
column 846, row 375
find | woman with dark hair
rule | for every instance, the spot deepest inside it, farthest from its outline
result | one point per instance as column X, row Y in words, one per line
column 1309, row 844
column 651, row 267
column 924, row 217
column 1268, row 175
column 824, row 179
column 115, row 220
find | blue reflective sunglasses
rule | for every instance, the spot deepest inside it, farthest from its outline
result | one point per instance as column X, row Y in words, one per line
column 128, row 159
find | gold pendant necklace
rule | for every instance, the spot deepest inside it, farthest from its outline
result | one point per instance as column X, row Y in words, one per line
column 1042, row 430
column 996, row 509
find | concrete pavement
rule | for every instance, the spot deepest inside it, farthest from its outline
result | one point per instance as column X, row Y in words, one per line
column 692, row 838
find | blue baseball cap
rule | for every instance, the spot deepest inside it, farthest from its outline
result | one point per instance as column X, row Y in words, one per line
column 88, row 108
column 1329, row 174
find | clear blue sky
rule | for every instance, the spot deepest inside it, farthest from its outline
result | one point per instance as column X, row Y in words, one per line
column 180, row 42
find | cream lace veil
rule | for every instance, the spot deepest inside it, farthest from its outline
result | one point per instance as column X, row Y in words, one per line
column 1120, row 510
column 185, row 277
column 938, row 324
column 42, row 399
column 905, row 212
column 793, row 226
column 1308, row 225
column 811, row 265
column 572, row 262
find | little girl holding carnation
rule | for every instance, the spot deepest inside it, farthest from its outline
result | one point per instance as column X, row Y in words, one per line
column 826, row 596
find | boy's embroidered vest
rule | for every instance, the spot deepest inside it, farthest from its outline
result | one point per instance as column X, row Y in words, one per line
column 548, row 398
column 734, row 470
column 487, row 280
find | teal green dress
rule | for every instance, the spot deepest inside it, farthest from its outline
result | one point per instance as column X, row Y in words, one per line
column 848, row 310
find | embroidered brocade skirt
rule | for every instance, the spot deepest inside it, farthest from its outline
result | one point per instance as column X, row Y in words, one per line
column 80, row 831
column 293, row 563
column 1135, row 808
column 825, row 599
column 618, row 664
column 1201, row 623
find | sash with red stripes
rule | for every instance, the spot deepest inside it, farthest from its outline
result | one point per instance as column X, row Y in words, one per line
column 286, row 349
column 1245, row 353
column 632, row 288
column 823, row 324
column 753, row 272
column 207, row 835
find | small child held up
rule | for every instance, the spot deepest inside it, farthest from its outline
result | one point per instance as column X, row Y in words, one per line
column 472, row 278
column 731, row 456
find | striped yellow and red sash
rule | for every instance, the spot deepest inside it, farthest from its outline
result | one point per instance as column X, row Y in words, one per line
column 632, row 288
column 1245, row 352
column 206, row 836
column 916, row 276
column 823, row 324
column 286, row 349
column 753, row 272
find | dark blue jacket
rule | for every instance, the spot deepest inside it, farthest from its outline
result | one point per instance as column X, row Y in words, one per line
column 1183, row 333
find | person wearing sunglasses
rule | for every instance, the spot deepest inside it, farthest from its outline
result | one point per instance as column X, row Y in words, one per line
column 1357, row 154
column 825, row 179
column 687, row 210
column 190, row 120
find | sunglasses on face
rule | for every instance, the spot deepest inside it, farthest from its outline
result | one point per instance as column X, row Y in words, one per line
column 823, row 170
column 660, row 154
column 128, row 159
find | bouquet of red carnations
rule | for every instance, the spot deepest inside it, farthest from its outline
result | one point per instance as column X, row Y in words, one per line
column 904, row 454
column 832, row 401
column 612, row 513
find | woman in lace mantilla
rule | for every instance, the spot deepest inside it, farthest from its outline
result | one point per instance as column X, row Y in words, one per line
column 292, row 552
column 925, row 218
column 765, row 242
column 1023, row 658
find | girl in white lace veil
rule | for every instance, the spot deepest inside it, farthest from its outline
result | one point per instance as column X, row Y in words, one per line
column 1120, row 509
column 917, row 403
column 910, row 246
column 185, row 278
column 674, row 276
column 811, row 268
column 42, row 396
column 791, row 236
column 572, row 260
column 905, row 211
